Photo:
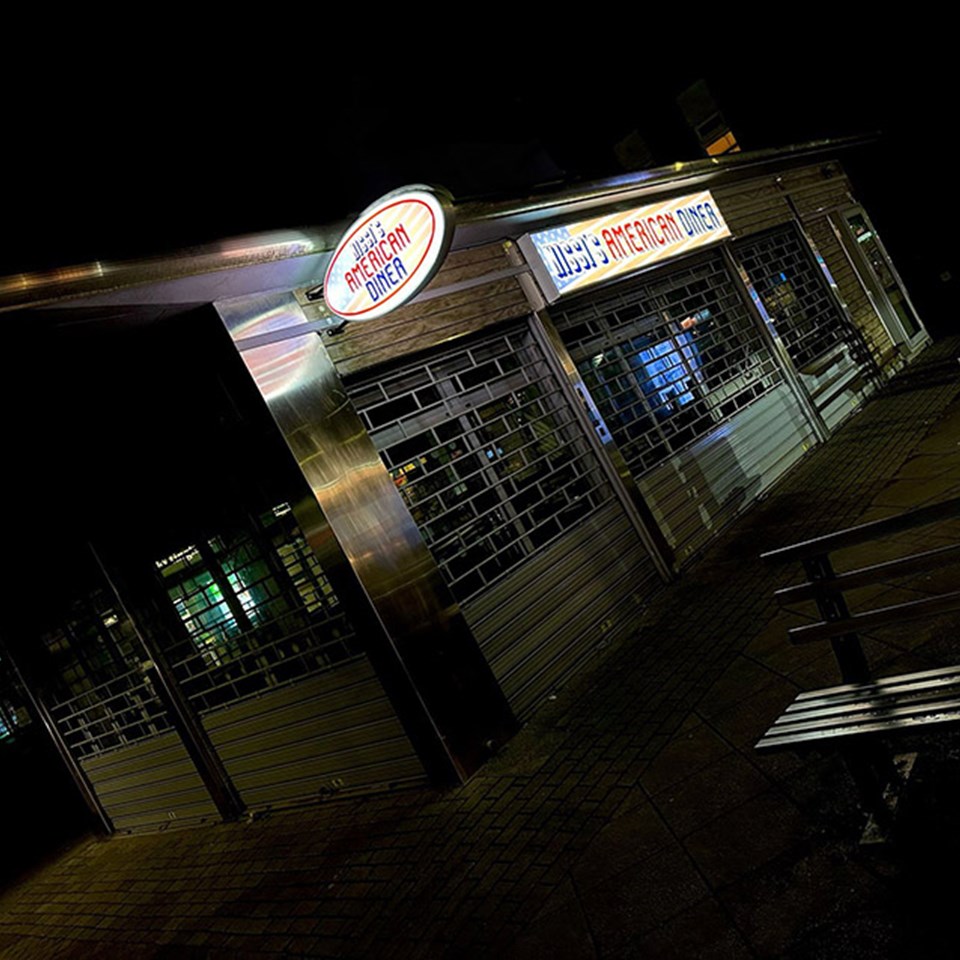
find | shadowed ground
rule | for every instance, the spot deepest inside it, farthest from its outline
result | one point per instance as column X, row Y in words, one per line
column 631, row 817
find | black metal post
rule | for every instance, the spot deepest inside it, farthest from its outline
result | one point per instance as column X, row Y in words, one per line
column 832, row 607
column 868, row 761
column 186, row 722
column 28, row 679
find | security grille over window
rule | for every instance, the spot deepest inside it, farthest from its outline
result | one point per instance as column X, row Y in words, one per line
column 499, row 475
column 258, row 611
column 485, row 453
column 102, row 700
column 269, row 660
column 91, row 644
column 118, row 713
column 828, row 353
column 668, row 359
column 114, row 722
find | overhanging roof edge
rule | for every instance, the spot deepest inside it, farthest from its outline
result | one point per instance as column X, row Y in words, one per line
column 477, row 222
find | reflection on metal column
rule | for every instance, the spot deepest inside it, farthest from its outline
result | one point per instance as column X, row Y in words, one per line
column 416, row 636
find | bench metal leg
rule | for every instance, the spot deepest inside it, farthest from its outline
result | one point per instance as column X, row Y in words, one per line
column 878, row 778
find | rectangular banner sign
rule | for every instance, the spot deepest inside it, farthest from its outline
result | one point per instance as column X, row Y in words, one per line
column 578, row 255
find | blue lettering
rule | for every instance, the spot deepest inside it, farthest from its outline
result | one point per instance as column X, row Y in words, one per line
column 563, row 268
column 595, row 240
column 575, row 256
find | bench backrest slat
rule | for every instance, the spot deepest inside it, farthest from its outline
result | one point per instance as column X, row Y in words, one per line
column 865, row 532
column 868, row 576
column 897, row 613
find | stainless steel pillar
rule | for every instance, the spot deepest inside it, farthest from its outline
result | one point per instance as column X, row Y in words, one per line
column 419, row 642
column 608, row 453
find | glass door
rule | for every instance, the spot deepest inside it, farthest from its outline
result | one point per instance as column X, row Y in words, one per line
column 882, row 280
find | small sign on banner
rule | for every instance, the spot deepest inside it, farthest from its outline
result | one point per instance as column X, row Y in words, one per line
column 578, row 255
column 389, row 253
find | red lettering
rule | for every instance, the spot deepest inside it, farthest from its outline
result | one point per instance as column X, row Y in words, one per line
column 618, row 238
column 609, row 240
column 674, row 229
column 642, row 231
column 628, row 230
column 351, row 281
column 402, row 237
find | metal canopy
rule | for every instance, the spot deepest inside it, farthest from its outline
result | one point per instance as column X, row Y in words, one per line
column 284, row 260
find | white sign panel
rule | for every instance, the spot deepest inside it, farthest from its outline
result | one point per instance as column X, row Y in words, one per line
column 387, row 255
column 578, row 255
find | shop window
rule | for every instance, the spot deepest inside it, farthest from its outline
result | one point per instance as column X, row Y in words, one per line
column 92, row 643
column 794, row 294
column 257, row 608
column 667, row 360
column 495, row 471
column 101, row 698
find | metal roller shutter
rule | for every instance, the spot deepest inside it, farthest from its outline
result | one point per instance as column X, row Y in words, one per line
column 689, row 392
column 124, row 741
column 831, row 356
column 513, row 504
column 698, row 490
column 552, row 602
column 290, row 702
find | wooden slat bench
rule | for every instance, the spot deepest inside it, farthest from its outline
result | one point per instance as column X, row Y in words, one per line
column 861, row 712
column 893, row 704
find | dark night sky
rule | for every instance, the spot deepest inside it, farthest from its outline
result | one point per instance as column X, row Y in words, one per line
column 123, row 151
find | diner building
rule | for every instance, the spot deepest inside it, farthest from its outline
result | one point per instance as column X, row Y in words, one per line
column 444, row 462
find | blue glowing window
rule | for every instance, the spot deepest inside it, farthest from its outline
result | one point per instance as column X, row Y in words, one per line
column 668, row 374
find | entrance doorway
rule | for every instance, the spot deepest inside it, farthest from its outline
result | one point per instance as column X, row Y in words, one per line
column 879, row 276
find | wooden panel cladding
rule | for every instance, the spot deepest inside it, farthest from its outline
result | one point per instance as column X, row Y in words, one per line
column 817, row 189
column 752, row 206
column 423, row 324
column 851, row 290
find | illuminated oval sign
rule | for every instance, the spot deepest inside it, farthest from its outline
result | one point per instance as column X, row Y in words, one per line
column 388, row 255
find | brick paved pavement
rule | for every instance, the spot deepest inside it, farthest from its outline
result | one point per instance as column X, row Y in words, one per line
column 630, row 818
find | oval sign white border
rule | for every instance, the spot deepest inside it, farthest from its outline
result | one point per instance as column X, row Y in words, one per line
column 417, row 274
